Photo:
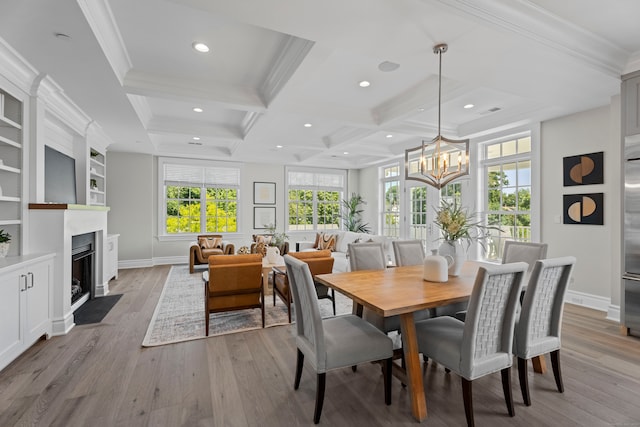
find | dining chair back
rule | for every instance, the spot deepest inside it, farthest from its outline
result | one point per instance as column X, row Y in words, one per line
column 537, row 331
column 408, row 252
column 370, row 256
column 514, row 251
column 366, row 256
column 335, row 342
column 528, row 252
column 483, row 344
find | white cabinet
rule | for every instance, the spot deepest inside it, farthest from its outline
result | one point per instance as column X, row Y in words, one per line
column 97, row 178
column 11, row 166
column 25, row 303
column 111, row 257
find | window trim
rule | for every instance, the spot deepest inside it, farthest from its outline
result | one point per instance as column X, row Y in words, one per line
column 532, row 131
column 161, row 195
column 287, row 169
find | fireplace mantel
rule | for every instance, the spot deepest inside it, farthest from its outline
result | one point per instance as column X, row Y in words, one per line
column 53, row 226
column 67, row 206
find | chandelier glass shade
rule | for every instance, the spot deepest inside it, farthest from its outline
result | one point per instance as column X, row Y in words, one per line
column 441, row 160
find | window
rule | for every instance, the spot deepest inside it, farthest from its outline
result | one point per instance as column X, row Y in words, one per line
column 198, row 197
column 314, row 198
column 507, row 175
column 390, row 183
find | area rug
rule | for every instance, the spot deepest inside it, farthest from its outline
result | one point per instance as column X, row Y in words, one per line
column 94, row 310
column 179, row 314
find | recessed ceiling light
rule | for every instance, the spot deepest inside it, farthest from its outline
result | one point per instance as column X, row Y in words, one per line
column 308, row 125
column 278, row 146
column 469, row 106
column 389, row 136
column 421, row 109
column 196, row 138
column 364, row 83
column 345, row 153
column 200, row 47
column 198, row 109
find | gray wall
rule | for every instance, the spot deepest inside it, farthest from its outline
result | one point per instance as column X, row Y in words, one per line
column 131, row 198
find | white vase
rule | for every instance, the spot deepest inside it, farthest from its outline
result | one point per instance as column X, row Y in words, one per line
column 435, row 267
column 273, row 254
column 4, row 249
column 456, row 250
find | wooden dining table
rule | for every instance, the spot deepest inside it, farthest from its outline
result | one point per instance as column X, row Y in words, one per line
column 402, row 291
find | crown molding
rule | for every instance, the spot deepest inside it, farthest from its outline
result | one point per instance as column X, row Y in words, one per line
column 60, row 106
column 100, row 18
column 292, row 54
column 15, row 68
column 528, row 20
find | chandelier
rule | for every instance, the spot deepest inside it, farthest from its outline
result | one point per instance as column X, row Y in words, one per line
column 441, row 160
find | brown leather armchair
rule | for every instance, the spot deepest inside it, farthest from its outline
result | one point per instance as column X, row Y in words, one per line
column 320, row 262
column 233, row 283
column 207, row 245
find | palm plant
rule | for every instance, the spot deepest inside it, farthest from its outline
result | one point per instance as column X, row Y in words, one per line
column 351, row 214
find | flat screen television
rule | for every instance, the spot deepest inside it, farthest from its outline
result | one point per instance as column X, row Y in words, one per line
column 59, row 177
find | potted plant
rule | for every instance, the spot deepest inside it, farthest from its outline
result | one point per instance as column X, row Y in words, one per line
column 277, row 240
column 5, row 239
column 351, row 214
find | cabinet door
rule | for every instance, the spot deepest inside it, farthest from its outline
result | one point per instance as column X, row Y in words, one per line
column 631, row 96
column 12, row 288
column 38, row 319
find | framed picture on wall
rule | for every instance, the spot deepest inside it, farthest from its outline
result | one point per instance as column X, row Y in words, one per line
column 583, row 208
column 584, row 169
column 263, row 217
column 264, row 193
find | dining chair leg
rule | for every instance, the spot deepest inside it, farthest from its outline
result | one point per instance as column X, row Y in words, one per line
column 333, row 300
column 274, row 296
column 524, row 381
column 319, row 397
column 354, row 368
column 299, row 363
column 555, row 364
column 386, row 369
column 467, row 396
column 506, row 389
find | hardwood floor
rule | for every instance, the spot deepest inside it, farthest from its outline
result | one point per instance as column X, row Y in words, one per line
column 99, row 375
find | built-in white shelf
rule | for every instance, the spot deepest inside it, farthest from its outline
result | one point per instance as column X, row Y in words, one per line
column 10, row 122
column 9, row 199
column 10, row 142
column 11, row 222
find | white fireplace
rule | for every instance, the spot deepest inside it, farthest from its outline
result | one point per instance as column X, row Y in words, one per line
column 52, row 227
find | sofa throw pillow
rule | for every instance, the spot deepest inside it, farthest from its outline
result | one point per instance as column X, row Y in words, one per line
column 327, row 241
column 210, row 242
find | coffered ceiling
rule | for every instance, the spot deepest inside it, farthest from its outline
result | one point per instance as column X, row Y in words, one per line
column 276, row 65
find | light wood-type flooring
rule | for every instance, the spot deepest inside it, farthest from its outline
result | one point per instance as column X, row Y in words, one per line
column 99, row 375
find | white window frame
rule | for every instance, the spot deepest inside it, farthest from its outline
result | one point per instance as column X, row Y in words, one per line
column 162, row 209
column 382, row 196
column 533, row 132
column 315, row 187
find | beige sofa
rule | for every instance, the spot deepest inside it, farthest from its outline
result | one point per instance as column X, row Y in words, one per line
column 343, row 238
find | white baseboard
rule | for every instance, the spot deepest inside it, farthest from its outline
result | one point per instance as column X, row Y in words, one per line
column 613, row 313
column 587, row 300
column 141, row 263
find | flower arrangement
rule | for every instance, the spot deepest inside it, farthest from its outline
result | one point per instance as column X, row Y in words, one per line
column 456, row 223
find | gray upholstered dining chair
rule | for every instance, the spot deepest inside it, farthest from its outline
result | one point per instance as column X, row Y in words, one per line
column 537, row 331
column 514, row 251
column 483, row 344
column 370, row 256
column 528, row 252
column 335, row 342
column 408, row 252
